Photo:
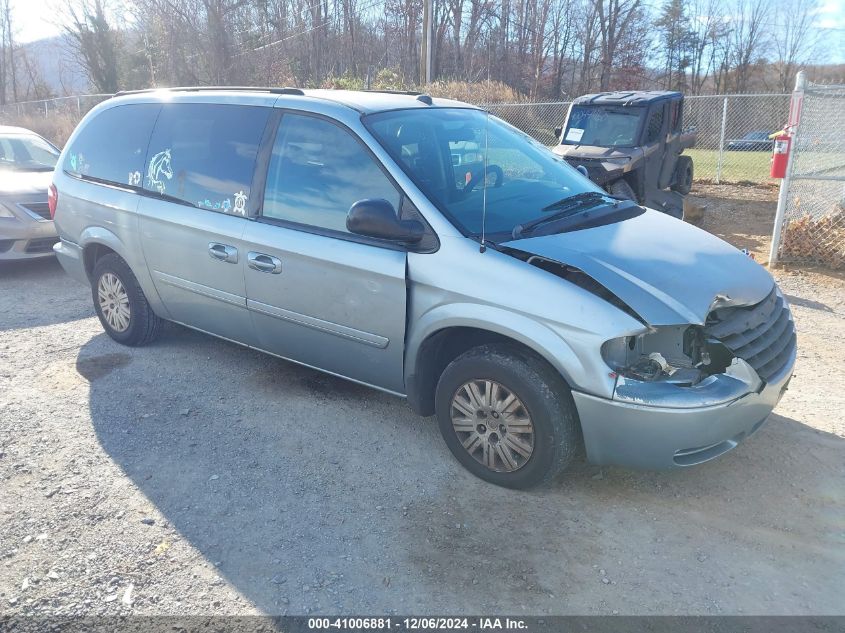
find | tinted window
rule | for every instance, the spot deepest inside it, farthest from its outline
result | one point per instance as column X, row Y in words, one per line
column 204, row 154
column 676, row 116
column 113, row 144
column 655, row 124
column 317, row 171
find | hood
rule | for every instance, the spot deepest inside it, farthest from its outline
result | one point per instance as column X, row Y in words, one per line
column 594, row 152
column 666, row 270
column 25, row 182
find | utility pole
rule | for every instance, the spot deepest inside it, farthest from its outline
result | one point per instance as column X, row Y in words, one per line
column 426, row 46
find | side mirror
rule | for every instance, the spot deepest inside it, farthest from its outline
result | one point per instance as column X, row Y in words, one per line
column 558, row 132
column 376, row 217
column 583, row 171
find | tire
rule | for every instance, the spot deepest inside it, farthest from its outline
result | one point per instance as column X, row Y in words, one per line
column 622, row 190
column 542, row 397
column 136, row 325
column 683, row 175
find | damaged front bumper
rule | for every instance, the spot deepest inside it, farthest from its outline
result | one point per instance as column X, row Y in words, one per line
column 674, row 427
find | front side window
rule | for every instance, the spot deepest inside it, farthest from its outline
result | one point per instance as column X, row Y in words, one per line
column 26, row 152
column 602, row 126
column 112, row 145
column 443, row 151
column 317, row 171
column 204, row 154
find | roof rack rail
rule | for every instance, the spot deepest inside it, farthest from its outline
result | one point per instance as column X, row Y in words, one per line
column 411, row 93
column 281, row 91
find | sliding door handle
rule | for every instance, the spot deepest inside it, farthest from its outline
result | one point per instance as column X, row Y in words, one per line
column 223, row 252
column 264, row 263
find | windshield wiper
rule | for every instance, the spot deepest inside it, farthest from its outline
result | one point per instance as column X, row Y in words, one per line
column 574, row 200
column 564, row 208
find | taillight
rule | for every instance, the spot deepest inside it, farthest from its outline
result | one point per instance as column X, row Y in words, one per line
column 52, row 199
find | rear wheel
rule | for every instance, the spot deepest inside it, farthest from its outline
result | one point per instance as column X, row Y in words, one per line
column 622, row 190
column 507, row 416
column 683, row 175
column 120, row 303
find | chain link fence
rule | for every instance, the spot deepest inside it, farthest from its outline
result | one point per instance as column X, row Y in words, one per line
column 732, row 144
column 76, row 106
column 54, row 119
column 813, row 229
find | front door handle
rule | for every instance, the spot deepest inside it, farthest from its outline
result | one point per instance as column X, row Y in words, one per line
column 223, row 252
column 264, row 263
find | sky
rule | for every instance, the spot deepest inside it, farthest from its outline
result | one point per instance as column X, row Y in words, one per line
column 35, row 20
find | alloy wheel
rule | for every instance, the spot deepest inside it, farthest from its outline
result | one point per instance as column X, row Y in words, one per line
column 114, row 302
column 493, row 425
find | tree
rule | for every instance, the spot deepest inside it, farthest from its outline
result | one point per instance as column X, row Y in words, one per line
column 615, row 17
column 95, row 43
column 748, row 39
column 797, row 38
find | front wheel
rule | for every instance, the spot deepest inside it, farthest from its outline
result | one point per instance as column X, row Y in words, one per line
column 120, row 303
column 507, row 416
column 622, row 190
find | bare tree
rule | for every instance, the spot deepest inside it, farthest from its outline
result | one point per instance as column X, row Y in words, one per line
column 614, row 19
column 795, row 40
column 747, row 39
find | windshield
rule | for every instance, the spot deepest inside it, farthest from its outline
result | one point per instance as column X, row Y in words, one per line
column 442, row 150
column 26, row 152
column 603, row 127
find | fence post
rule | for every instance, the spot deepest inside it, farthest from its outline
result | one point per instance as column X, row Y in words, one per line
column 783, row 194
column 78, row 107
column 722, row 142
column 46, row 111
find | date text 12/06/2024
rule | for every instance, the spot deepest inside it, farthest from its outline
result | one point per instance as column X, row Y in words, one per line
column 417, row 624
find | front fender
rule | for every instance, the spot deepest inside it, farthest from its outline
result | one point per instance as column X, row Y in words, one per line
column 529, row 332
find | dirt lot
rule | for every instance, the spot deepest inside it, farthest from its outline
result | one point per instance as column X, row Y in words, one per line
column 195, row 476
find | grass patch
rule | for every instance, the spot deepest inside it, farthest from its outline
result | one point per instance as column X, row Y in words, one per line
column 736, row 166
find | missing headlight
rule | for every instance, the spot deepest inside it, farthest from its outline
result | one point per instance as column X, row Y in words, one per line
column 681, row 355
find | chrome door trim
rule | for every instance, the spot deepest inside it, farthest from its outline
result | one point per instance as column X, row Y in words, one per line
column 318, row 324
column 200, row 289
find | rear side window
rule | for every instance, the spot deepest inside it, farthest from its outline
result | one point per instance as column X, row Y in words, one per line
column 655, row 124
column 112, row 146
column 317, row 171
column 204, row 154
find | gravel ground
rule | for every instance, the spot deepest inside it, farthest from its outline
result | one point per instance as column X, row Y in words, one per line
column 197, row 477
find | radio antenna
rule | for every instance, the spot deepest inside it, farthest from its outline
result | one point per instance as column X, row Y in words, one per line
column 484, row 185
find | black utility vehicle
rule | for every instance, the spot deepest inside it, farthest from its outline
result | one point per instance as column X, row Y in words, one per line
column 631, row 144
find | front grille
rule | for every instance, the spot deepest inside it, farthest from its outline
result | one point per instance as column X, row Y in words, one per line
column 41, row 245
column 762, row 335
column 39, row 208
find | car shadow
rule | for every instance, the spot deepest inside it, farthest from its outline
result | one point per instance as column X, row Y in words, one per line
column 37, row 292
column 311, row 494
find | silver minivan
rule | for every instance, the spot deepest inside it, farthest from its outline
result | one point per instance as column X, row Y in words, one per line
column 425, row 248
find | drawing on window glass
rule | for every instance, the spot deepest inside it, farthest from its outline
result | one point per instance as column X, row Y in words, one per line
column 240, row 203
column 159, row 167
column 73, row 161
column 135, row 178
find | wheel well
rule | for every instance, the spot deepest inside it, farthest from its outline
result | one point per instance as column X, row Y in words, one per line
column 440, row 349
column 91, row 254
